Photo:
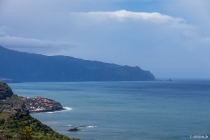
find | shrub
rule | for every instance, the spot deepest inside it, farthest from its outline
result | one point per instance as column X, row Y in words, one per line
column 25, row 133
column 2, row 121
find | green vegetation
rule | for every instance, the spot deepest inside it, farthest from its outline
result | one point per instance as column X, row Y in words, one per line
column 26, row 133
column 17, row 124
column 21, row 126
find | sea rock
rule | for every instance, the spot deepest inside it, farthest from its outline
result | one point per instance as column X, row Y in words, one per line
column 73, row 129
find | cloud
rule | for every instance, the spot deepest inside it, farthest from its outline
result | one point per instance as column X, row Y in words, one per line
column 34, row 45
column 125, row 26
column 102, row 31
column 122, row 15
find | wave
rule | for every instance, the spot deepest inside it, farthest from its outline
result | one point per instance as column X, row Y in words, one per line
column 91, row 126
column 83, row 126
column 67, row 108
column 49, row 112
column 57, row 111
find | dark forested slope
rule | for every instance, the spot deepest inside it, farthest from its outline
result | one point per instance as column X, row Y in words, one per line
column 26, row 67
column 5, row 91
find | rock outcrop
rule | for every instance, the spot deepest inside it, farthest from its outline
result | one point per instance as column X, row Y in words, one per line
column 5, row 91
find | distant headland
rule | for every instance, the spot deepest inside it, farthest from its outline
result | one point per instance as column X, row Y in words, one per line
column 26, row 67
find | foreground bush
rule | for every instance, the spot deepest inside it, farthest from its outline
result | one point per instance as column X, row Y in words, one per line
column 21, row 126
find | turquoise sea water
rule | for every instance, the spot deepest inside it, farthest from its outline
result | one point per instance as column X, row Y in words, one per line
column 159, row 110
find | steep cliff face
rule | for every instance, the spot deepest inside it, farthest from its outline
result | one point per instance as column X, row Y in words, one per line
column 5, row 91
column 24, row 67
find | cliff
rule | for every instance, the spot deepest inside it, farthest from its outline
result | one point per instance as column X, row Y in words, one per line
column 25, row 67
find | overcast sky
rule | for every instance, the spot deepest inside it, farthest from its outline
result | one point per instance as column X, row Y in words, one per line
column 170, row 38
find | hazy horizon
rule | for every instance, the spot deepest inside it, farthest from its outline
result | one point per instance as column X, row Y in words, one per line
column 171, row 39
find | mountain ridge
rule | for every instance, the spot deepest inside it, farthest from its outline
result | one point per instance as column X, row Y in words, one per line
column 29, row 67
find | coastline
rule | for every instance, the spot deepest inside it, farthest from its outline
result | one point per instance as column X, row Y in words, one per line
column 15, row 118
column 51, row 111
column 43, row 111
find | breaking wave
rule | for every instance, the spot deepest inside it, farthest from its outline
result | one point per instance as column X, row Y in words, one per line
column 67, row 108
column 91, row 126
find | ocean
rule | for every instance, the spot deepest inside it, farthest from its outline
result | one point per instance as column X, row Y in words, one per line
column 155, row 110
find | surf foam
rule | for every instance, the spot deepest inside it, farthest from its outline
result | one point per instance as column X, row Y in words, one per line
column 67, row 108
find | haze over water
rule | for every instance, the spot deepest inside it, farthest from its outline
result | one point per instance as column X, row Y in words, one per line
column 155, row 110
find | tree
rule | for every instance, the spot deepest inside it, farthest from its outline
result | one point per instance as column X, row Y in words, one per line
column 25, row 133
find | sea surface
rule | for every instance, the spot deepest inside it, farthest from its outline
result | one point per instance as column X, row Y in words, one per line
column 157, row 110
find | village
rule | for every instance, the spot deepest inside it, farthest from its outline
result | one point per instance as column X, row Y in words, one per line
column 41, row 104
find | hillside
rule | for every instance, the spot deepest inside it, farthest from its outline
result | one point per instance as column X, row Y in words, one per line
column 15, row 121
column 25, row 67
column 5, row 91
column 21, row 126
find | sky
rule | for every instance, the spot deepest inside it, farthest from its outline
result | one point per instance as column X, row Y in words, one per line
column 170, row 38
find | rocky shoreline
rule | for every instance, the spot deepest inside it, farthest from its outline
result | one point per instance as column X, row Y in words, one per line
column 41, row 111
